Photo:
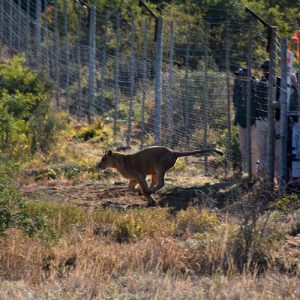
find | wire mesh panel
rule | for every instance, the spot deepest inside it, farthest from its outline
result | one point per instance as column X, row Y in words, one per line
column 117, row 80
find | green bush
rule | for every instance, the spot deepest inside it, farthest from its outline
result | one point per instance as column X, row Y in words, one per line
column 27, row 124
column 14, row 211
column 287, row 203
column 94, row 131
column 127, row 229
column 59, row 218
column 234, row 150
column 194, row 221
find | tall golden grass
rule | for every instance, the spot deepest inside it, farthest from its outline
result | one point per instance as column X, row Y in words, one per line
column 148, row 254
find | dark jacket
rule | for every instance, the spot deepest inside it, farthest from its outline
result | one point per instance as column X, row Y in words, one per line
column 261, row 96
column 240, row 102
column 293, row 105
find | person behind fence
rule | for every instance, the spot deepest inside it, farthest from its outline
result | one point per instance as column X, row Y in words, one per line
column 261, row 96
column 294, row 96
column 240, row 105
column 292, row 119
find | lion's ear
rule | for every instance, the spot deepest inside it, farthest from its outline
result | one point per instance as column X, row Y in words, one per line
column 109, row 153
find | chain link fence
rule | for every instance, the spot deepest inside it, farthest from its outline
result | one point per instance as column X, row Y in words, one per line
column 153, row 80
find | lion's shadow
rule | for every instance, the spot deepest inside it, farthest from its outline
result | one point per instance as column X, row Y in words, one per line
column 218, row 195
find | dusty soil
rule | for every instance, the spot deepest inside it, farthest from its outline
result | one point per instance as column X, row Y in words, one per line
column 178, row 193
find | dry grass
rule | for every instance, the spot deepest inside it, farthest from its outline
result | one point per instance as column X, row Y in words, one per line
column 224, row 242
column 147, row 254
column 155, row 286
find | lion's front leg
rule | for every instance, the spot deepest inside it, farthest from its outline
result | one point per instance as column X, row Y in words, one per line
column 153, row 181
column 160, row 178
column 132, row 186
column 146, row 191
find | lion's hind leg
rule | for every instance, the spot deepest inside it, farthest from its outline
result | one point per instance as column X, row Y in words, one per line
column 146, row 191
column 153, row 181
column 160, row 181
column 132, row 186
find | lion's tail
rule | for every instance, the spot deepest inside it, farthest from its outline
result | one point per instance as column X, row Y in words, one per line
column 195, row 152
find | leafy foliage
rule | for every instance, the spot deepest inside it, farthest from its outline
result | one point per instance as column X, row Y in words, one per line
column 26, row 122
column 287, row 203
column 283, row 14
column 14, row 212
column 93, row 131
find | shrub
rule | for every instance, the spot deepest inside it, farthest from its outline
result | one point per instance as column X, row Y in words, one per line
column 127, row 229
column 13, row 208
column 234, row 150
column 194, row 220
column 59, row 218
column 93, row 131
column 6, row 122
column 26, row 122
column 287, row 203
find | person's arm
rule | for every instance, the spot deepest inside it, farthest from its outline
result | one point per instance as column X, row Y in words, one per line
column 236, row 96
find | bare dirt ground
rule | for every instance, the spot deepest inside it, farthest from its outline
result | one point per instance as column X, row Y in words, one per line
column 178, row 193
column 184, row 186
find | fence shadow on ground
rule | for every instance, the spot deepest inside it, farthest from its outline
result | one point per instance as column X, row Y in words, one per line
column 214, row 195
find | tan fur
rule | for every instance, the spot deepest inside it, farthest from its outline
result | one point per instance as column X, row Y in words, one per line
column 154, row 161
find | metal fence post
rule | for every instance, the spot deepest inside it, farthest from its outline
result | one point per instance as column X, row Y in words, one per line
column 298, row 86
column 206, row 94
column 9, row 25
column 92, row 68
column 117, row 75
column 46, row 36
column 158, row 80
column 186, row 97
column 271, row 100
column 132, row 76
column 1, row 23
column 18, row 43
column 79, row 100
column 38, row 34
column 249, row 102
column 67, row 69
column 28, row 33
column 145, row 52
column 228, row 91
column 103, row 67
column 170, row 87
column 57, row 54
column 283, row 118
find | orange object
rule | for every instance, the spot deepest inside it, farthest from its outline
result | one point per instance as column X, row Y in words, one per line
column 296, row 39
